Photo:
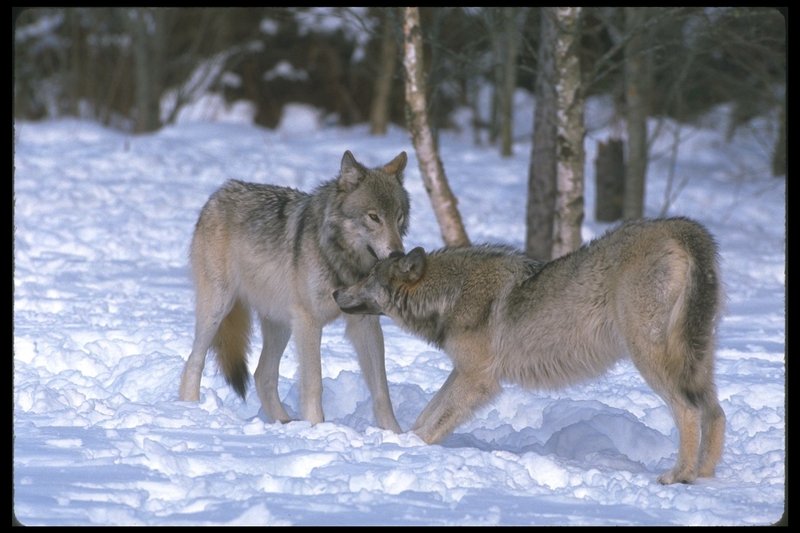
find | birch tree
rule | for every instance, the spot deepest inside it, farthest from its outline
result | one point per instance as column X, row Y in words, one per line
column 442, row 199
column 555, row 179
column 570, row 132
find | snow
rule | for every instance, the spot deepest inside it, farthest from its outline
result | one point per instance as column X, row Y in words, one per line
column 284, row 69
column 352, row 21
column 297, row 119
column 103, row 322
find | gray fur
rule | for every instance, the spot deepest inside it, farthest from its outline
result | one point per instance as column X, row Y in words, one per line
column 281, row 252
column 649, row 289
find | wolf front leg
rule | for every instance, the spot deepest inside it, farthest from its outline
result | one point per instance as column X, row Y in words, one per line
column 459, row 397
column 364, row 331
column 276, row 337
column 308, row 335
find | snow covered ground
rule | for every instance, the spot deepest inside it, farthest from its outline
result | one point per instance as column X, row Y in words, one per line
column 103, row 321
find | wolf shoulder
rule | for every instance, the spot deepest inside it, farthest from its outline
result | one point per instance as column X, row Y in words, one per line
column 255, row 210
column 256, row 200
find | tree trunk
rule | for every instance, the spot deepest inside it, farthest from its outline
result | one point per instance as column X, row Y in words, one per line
column 146, row 34
column 636, row 88
column 542, row 169
column 496, row 43
column 72, row 65
column 379, row 110
column 610, row 180
column 327, row 64
column 779, row 152
column 444, row 203
column 570, row 133
column 510, row 54
column 473, row 100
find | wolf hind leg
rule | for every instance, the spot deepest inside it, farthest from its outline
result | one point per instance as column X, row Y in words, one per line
column 456, row 401
column 685, row 411
column 687, row 418
column 689, row 391
column 694, row 401
column 276, row 337
column 209, row 313
column 364, row 331
column 664, row 371
column 701, row 426
column 713, row 437
column 698, row 417
column 193, row 368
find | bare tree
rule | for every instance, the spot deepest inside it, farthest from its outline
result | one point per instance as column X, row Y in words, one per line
column 379, row 108
column 503, row 26
column 570, row 129
column 779, row 152
column 636, row 90
column 444, row 202
column 510, row 53
column 148, row 32
column 542, row 170
column 609, row 179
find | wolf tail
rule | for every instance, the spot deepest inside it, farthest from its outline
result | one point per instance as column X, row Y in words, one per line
column 231, row 345
column 690, row 340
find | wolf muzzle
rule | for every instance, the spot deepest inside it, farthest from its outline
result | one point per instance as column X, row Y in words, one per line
column 360, row 308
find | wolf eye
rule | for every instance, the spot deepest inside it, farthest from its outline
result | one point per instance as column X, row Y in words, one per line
column 374, row 217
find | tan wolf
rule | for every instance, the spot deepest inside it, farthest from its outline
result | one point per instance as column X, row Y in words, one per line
column 281, row 253
column 649, row 289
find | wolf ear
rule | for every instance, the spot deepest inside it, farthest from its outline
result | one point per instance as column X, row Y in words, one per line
column 351, row 172
column 396, row 166
column 412, row 265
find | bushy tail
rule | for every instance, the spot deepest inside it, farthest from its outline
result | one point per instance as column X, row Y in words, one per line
column 694, row 317
column 231, row 345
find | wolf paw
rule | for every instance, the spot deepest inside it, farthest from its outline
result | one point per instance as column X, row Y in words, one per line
column 189, row 395
column 677, row 476
column 707, row 472
column 394, row 427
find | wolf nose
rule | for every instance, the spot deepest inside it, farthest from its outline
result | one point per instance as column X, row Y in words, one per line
column 396, row 253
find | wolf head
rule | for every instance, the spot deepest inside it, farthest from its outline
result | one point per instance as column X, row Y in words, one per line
column 377, row 293
column 372, row 208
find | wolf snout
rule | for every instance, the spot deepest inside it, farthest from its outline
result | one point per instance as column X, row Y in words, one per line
column 340, row 297
column 383, row 253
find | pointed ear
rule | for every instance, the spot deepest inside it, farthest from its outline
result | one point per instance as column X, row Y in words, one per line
column 396, row 166
column 412, row 265
column 350, row 173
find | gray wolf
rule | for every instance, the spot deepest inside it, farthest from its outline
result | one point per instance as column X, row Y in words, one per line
column 281, row 252
column 649, row 289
